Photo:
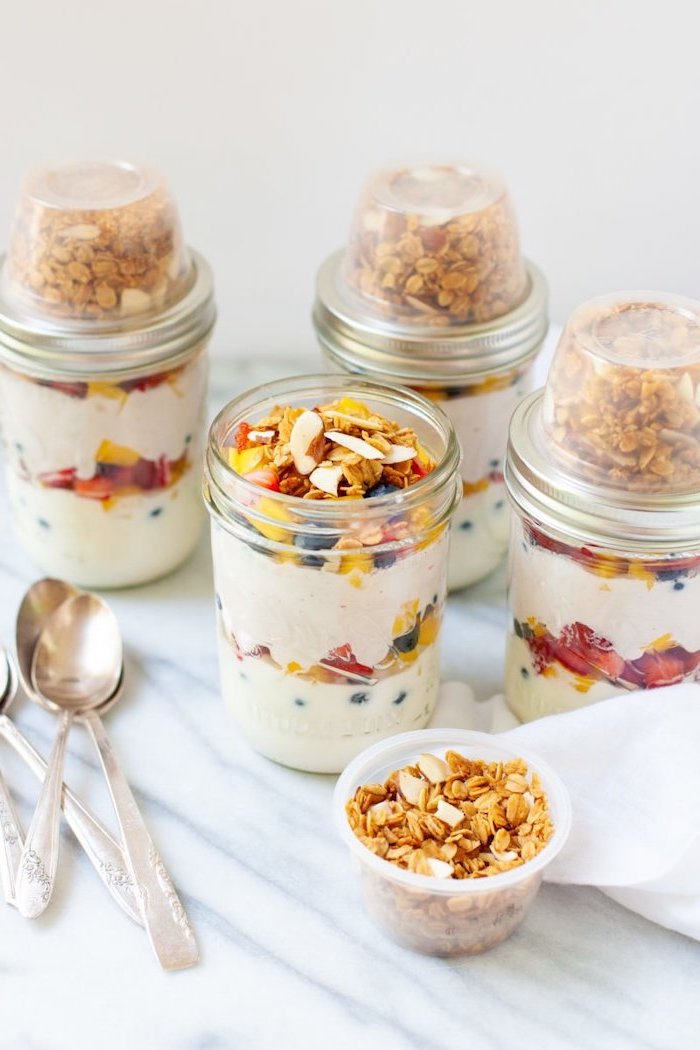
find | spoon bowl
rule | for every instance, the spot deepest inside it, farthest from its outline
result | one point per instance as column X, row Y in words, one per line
column 41, row 600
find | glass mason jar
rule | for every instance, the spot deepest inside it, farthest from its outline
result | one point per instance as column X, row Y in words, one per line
column 432, row 293
column 104, row 318
column 329, row 611
column 603, row 470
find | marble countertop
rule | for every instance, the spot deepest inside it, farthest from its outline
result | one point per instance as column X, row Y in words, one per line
column 289, row 959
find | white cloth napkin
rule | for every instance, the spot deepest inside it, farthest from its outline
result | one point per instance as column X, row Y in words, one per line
column 632, row 767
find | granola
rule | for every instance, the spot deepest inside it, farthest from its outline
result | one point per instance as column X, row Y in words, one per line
column 617, row 412
column 466, row 268
column 337, row 450
column 97, row 263
column 457, row 818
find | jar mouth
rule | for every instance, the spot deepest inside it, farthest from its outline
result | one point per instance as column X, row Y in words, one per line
column 593, row 513
column 229, row 495
column 50, row 349
column 433, row 355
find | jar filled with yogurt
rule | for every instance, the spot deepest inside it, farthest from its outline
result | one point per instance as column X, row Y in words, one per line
column 104, row 319
column 603, row 470
column 432, row 292
column 330, row 500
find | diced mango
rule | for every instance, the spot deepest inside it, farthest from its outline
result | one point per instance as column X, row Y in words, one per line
column 117, row 455
column 270, row 509
column 246, row 460
column 356, row 562
column 106, row 390
column 429, row 629
column 353, row 408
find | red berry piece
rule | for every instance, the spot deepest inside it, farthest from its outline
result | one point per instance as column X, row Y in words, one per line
column 58, row 479
column 265, row 477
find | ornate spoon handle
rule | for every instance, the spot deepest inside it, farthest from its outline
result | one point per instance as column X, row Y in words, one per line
column 102, row 851
column 12, row 842
column 167, row 925
column 37, row 866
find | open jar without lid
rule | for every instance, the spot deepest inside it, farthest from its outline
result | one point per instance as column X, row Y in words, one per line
column 433, row 293
column 329, row 610
column 104, row 320
column 605, row 552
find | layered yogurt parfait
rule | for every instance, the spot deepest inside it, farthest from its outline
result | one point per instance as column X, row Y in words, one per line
column 433, row 292
column 104, row 316
column 603, row 469
column 330, row 504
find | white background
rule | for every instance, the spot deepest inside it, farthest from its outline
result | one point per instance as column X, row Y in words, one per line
column 267, row 115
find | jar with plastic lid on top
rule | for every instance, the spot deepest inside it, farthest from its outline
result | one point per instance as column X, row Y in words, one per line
column 432, row 292
column 104, row 319
column 603, row 470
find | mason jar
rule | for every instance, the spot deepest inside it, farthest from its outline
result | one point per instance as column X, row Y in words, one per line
column 433, row 293
column 603, row 471
column 329, row 609
column 104, row 320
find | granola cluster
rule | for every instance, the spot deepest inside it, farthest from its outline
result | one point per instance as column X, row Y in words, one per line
column 337, row 450
column 97, row 264
column 623, row 418
column 466, row 270
column 457, row 818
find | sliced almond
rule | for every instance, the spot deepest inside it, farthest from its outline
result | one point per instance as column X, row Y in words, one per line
column 686, row 390
column 362, row 448
column 440, row 869
column 82, row 232
column 134, row 301
column 410, row 787
column 306, row 442
column 381, row 809
column 399, row 454
column 263, row 437
column 448, row 813
column 507, row 855
column 327, row 479
column 433, row 768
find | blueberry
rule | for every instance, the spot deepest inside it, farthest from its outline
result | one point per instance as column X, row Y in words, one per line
column 671, row 574
column 524, row 672
column 518, row 629
column 406, row 643
column 321, row 541
column 401, row 697
column 500, row 504
column 44, row 523
column 188, row 439
column 494, row 464
column 299, row 702
column 678, row 586
column 359, row 698
column 466, row 525
column 384, row 561
column 155, row 512
column 382, row 488
column 218, row 602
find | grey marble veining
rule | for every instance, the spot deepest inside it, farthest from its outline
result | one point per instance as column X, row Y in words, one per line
column 289, row 959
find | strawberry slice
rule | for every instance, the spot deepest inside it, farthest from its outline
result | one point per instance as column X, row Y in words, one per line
column 144, row 383
column 419, row 468
column 265, row 477
column 71, row 389
column 662, row 668
column 94, row 488
column 343, row 659
column 242, row 436
column 58, row 479
column 580, row 647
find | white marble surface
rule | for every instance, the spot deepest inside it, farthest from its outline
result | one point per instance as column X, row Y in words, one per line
column 289, row 960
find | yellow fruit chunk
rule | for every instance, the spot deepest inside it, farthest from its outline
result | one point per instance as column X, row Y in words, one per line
column 429, row 629
column 117, row 455
column 353, row 408
column 247, row 460
column 356, row 562
column 293, row 667
column 269, row 509
column 105, row 390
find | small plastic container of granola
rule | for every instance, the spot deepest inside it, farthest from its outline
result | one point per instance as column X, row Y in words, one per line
column 330, row 500
column 603, row 471
column 446, row 916
column 432, row 292
column 104, row 319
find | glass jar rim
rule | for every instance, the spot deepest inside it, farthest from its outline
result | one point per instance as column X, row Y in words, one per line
column 226, row 491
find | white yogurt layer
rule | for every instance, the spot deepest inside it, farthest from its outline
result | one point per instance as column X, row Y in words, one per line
column 479, row 536
column 480, row 526
column 302, row 613
column 48, row 430
column 139, row 538
column 531, row 695
column 318, row 726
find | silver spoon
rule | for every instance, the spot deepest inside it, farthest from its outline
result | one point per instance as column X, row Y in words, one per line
column 58, row 687
column 10, row 827
column 79, row 651
column 40, row 601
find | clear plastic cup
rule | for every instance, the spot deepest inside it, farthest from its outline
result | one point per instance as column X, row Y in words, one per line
column 622, row 404
column 446, row 916
column 95, row 241
column 436, row 244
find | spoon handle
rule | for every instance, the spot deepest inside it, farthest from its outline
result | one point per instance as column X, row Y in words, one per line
column 103, row 852
column 39, row 860
column 169, row 930
column 12, row 842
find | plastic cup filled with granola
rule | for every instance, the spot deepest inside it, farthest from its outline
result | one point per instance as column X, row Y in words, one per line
column 104, row 319
column 432, row 292
column 330, row 501
column 603, row 470
column 451, row 832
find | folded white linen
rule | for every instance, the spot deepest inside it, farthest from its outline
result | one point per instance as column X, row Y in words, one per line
column 632, row 767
